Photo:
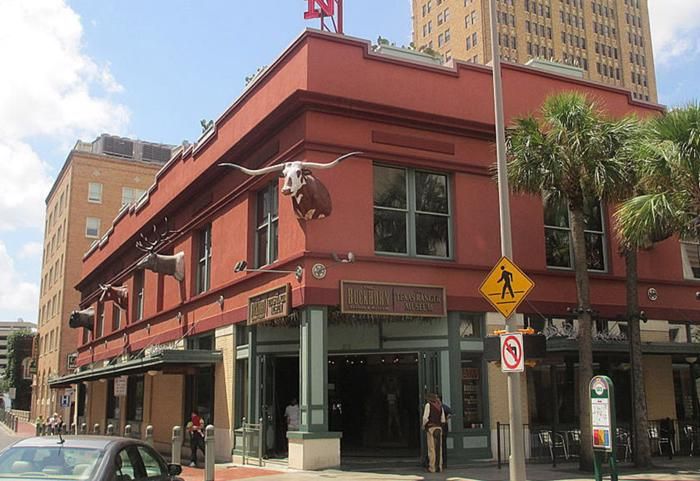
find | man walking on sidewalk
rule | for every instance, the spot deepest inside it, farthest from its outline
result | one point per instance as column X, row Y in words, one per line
column 433, row 420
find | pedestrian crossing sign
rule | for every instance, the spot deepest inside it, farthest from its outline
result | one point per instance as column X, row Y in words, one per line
column 506, row 287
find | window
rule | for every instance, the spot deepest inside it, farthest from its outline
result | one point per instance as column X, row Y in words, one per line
column 470, row 325
column 204, row 260
column 116, row 316
column 411, row 212
column 95, row 192
column 130, row 195
column 100, row 320
column 267, row 226
column 690, row 253
column 92, row 227
column 151, row 463
column 557, row 228
column 134, row 398
column 472, row 392
column 138, row 295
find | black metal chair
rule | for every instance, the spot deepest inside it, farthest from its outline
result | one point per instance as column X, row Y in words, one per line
column 659, row 440
column 553, row 441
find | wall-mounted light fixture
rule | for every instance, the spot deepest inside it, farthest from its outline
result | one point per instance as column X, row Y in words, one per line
column 242, row 266
column 220, row 300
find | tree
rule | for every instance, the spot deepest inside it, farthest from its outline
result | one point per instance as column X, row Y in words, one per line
column 569, row 153
column 19, row 347
column 630, row 139
column 666, row 201
column 669, row 165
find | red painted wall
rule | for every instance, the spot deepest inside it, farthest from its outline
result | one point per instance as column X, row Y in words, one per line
column 325, row 96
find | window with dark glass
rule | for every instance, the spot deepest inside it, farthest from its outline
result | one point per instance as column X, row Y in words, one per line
column 204, row 259
column 558, row 240
column 138, row 295
column 112, row 401
column 411, row 212
column 100, row 320
column 266, row 226
column 134, row 398
column 469, row 324
column 472, row 392
column 116, row 316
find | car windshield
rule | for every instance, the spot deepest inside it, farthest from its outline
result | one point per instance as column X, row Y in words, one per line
column 49, row 462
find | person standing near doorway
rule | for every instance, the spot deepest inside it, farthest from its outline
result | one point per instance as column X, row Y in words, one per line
column 196, row 430
column 447, row 411
column 433, row 420
column 291, row 415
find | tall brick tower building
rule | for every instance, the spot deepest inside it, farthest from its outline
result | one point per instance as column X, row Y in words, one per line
column 96, row 182
column 609, row 39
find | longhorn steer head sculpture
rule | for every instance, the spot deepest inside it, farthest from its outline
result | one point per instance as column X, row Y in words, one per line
column 84, row 318
column 169, row 265
column 118, row 294
column 310, row 197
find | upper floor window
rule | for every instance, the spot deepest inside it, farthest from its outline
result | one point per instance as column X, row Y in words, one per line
column 266, row 232
column 204, row 259
column 411, row 212
column 95, row 192
column 690, row 254
column 557, row 233
column 130, row 195
column 100, row 320
column 116, row 316
column 92, row 227
column 138, row 295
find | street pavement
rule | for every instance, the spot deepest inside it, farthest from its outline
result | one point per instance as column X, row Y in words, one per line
column 678, row 469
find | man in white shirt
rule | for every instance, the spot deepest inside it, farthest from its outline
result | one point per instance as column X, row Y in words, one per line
column 291, row 414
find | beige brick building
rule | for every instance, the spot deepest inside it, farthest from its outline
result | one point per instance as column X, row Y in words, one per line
column 97, row 180
column 609, row 39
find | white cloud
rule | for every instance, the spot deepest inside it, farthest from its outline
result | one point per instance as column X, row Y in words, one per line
column 675, row 29
column 50, row 90
column 15, row 294
column 30, row 250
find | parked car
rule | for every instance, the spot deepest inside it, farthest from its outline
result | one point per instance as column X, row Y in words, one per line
column 94, row 458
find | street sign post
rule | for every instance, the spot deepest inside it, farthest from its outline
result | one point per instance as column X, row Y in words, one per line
column 506, row 286
column 512, row 352
column 603, row 424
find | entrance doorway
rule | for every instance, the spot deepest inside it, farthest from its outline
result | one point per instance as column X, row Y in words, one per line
column 374, row 401
column 280, row 385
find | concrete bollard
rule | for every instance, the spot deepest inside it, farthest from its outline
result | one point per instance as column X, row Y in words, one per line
column 110, row 430
column 209, row 453
column 83, row 428
column 177, row 445
column 96, row 428
column 127, row 431
column 149, row 435
column 15, row 423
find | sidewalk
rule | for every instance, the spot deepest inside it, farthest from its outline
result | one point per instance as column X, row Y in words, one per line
column 24, row 429
column 678, row 469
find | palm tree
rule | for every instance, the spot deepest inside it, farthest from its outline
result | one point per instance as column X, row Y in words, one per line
column 630, row 140
column 669, row 164
column 666, row 202
column 570, row 154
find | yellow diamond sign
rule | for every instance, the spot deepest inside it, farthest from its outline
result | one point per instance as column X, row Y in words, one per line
column 506, row 287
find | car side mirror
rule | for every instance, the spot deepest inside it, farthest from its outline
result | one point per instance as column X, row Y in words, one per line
column 174, row 469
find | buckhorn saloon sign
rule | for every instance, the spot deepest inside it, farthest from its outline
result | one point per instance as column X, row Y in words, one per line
column 269, row 305
column 392, row 299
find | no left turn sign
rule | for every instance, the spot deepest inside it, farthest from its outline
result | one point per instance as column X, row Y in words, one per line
column 512, row 354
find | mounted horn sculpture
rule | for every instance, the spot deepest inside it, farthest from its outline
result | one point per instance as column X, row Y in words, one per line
column 118, row 294
column 84, row 319
column 310, row 198
column 169, row 265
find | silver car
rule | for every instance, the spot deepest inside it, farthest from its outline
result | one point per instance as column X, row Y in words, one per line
column 98, row 458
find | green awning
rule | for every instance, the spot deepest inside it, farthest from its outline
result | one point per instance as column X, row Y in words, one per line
column 170, row 360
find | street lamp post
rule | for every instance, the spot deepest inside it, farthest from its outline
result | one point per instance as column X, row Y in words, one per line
column 516, row 464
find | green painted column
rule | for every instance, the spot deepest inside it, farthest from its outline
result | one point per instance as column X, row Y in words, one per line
column 313, row 370
column 252, row 394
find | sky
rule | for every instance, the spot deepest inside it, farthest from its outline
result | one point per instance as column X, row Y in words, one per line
column 74, row 69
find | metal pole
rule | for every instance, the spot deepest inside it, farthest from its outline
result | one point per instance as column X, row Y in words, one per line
column 209, row 453
column 516, row 464
column 260, row 443
column 177, row 445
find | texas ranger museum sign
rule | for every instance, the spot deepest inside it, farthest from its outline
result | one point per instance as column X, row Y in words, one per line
column 269, row 305
column 392, row 299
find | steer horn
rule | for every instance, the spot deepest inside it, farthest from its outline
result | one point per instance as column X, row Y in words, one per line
column 315, row 165
column 264, row 170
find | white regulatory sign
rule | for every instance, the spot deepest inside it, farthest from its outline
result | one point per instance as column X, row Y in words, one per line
column 512, row 353
column 120, row 386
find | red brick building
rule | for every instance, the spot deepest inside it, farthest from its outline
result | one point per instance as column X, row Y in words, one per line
column 418, row 210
